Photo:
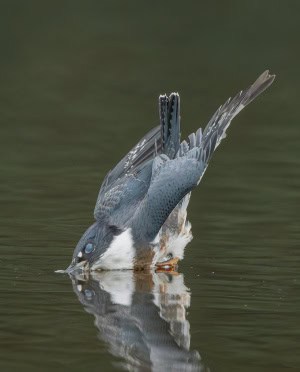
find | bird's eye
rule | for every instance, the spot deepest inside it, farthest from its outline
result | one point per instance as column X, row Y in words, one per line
column 89, row 248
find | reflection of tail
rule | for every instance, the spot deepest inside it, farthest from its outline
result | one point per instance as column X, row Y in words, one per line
column 142, row 317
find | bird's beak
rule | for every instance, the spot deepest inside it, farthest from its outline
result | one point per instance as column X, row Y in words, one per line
column 80, row 266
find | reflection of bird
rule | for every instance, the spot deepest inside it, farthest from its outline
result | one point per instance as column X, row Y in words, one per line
column 141, row 208
column 142, row 317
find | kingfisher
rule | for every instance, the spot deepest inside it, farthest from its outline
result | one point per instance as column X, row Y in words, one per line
column 141, row 209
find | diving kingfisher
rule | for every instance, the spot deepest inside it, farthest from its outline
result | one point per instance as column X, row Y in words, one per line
column 141, row 210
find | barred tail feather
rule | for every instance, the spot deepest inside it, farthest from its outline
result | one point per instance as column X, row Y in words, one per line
column 169, row 114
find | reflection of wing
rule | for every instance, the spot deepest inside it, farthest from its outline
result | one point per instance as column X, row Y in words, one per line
column 143, row 151
column 142, row 316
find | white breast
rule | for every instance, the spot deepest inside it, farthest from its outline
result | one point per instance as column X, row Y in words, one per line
column 119, row 255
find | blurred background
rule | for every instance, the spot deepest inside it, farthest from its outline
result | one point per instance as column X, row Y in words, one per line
column 79, row 83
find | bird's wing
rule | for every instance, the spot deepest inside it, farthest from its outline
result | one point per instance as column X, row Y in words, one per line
column 118, row 203
column 161, row 139
column 172, row 179
column 145, row 150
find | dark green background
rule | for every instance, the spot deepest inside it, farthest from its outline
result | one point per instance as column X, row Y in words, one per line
column 79, row 82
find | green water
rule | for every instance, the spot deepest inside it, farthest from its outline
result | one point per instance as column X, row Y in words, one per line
column 79, row 86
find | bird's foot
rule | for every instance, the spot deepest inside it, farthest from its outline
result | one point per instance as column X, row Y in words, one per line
column 167, row 266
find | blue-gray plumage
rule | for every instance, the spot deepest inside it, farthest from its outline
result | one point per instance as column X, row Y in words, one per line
column 140, row 212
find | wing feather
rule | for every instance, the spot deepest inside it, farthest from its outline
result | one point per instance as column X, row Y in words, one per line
column 147, row 148
column 172, row 179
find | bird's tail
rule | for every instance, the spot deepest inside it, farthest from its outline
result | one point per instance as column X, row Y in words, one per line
column 169, row 115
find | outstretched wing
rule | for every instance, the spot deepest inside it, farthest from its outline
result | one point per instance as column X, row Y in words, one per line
column 162, row 139
column 173, row 179
column 120, row 201
column 140, row 154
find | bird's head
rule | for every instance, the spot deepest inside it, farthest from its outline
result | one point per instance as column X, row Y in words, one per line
column 92, row 245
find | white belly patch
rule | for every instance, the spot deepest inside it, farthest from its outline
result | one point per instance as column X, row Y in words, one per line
column 119, row 255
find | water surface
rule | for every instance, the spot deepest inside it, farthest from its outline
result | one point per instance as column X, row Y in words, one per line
column 79, row 87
